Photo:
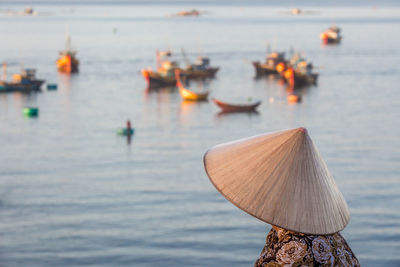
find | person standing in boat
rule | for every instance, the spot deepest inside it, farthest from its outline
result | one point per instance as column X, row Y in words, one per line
column 281, row 179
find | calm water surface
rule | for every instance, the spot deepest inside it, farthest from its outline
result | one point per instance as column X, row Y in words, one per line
column 73, row 193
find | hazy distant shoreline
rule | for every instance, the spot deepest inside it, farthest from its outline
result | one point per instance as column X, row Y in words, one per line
column 295, row 3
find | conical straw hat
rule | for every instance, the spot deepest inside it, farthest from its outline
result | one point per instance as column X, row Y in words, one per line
column 279, row 178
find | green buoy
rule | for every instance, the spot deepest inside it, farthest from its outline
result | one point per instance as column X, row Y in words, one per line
column 30, row 112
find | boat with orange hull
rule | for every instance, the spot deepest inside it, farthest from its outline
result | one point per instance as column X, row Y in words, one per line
column 298, row 72
column 193, row 96
column 67, row 62
column 156, row 80
column 297, row 79
column 331, row 36
column 230, row 107
column 165, row 74
column 187, row 94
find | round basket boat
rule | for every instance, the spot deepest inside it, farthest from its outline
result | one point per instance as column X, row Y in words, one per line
column 125, row 131
column 30, row 112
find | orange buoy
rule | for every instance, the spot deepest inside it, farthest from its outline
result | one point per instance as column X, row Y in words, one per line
column 293, row 98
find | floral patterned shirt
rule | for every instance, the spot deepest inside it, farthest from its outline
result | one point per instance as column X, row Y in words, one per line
column 287, row 248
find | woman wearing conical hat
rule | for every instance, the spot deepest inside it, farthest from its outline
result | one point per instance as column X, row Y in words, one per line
column 281, row 179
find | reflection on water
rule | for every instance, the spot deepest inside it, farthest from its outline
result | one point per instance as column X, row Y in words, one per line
column 65, row 79
column 74, row 193
column 238, row 113
column 188, row 111
column 187, row 107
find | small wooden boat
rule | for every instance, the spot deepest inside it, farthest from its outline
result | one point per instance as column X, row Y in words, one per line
column 229, row 107
column 67, row 62
column 193, row 96
column 187, row 94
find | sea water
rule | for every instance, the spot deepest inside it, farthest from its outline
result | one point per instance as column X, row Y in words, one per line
column 74, row 193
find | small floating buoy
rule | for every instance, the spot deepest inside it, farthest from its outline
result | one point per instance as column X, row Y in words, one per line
column 51, row 86
column 30, row 112
column 293, row 98
column 128, row 131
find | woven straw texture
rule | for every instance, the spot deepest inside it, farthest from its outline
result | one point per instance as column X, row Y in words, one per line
column 279, row 178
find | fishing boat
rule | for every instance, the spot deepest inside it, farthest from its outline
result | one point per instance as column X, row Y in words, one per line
column 296, row 11
column 331, row 35
column 165, row 74
column 271, row 62
column 298, row 72
column 230, row 107
column 297, row 79
column 29, row 11
column 187, row 94
column 24, row 82
column 200, row 69
column 186, row 13
column 67, row 62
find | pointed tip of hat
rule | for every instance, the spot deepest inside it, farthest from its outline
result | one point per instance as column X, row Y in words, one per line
column 302, row 129
column 281, row 179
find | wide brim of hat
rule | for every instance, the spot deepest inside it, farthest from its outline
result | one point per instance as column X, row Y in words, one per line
column 281, row 179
